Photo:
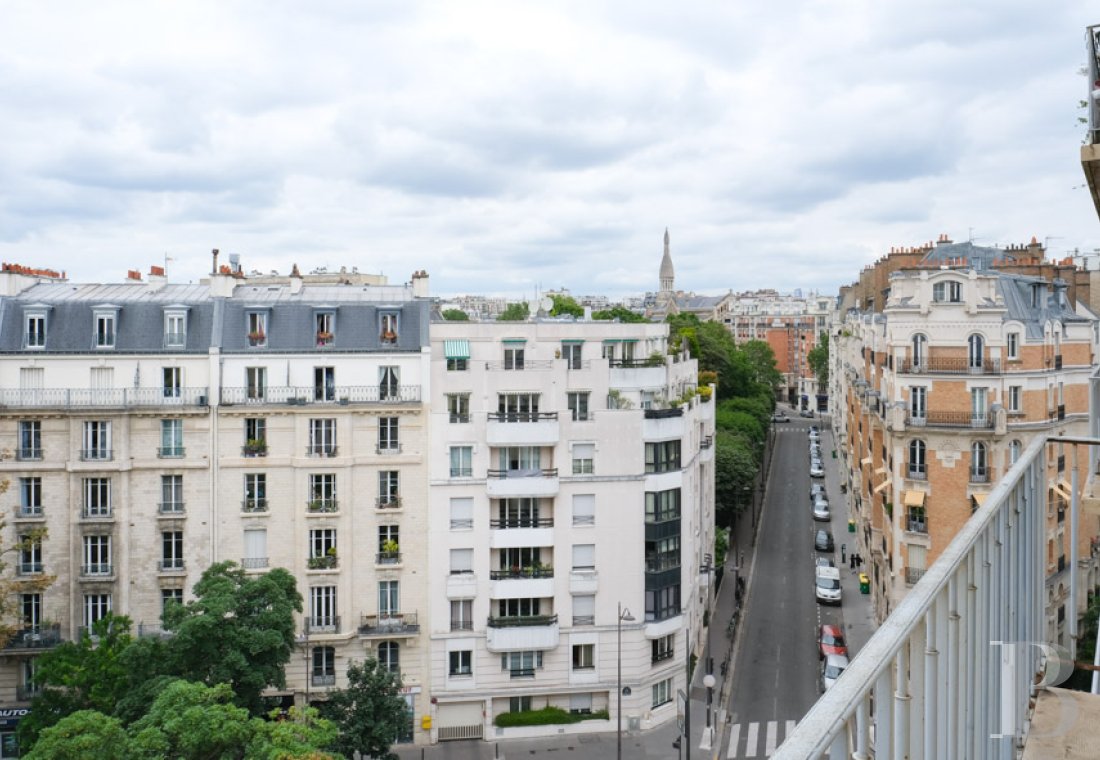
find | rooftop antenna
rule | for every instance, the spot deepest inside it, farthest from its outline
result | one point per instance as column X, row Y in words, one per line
column 167, row 258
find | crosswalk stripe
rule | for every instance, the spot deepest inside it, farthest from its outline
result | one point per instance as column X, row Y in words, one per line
column 735, row 738
column 750, row 740
column 769, row 742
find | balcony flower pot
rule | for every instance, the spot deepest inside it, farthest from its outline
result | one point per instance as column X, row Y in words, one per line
column 388, row 336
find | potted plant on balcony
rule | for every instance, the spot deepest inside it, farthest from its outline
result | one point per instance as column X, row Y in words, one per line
column 323, row 337
column 390, row 551
column 389, row 336
column 324, row 562
column 256, row 336
column 255, row 447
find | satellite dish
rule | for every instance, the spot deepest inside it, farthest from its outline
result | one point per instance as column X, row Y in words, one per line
column 546, row 304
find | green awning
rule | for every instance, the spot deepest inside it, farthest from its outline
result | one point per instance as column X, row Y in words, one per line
column 456, row 349
column 514, row 340
column 572, row 340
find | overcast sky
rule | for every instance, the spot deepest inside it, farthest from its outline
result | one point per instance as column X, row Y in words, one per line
column 509, row 146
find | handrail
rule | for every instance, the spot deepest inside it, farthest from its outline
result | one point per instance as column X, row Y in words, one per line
column 306, row 395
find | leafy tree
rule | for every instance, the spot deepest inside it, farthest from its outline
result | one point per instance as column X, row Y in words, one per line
column 299, row 733
column 194, row 721
column 818, row 358
column 369, row 712
column 743, row 424
column 455, row 315
column 239, row 630
column 734, row 470
column 83, row 735
column 761, row 359
column 620, row 313
column 564, row 305
column 515, row 312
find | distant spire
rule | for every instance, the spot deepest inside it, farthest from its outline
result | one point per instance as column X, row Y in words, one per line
column 668, row 276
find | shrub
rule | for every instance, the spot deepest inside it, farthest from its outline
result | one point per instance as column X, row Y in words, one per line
column 546, row 716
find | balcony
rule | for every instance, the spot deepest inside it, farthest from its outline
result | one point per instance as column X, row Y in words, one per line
column 324, row 339
column 521, row 673
column 580, row 620
column 306, row 395
column 170, row 452
column 523, row 429
column 322, row 679
column 96, row 570
column 170, row 508
column 324, row 562
column 535, row 483
column 35, row 637
column 540, row 571
column 521, row 366
column 522, row 583
column 25, row 692
column 175, row 339
column 979, row 475
column 916, row 525
column 388, row 449
column 97, row 513
column 462, row 625
column 322, row 450
column 255, row 448
column 974, row 421
column 29, row 512
column 913, row 574
column 521, row 633
column 520, row 532
column 323, row 624
column 387, row 558
column 388, row 502
column 28, row 568
column 171, row 565
column 916, row 473
column 254, row 505
column 631, row 375
column 391, row 624
column 28, row 454
column 254, row 563
column 949, row 365
column 101, row 398
column 322, row 506
column 96, row 455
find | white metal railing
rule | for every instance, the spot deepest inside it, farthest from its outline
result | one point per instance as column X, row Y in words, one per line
column 309, row 394
column 102, row 397
column 949, row 673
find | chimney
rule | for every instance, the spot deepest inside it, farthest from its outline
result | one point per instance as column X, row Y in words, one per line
column 133, row 274
column 295, row 280
column 157, row 278
column 420, row 284
column 215, row 268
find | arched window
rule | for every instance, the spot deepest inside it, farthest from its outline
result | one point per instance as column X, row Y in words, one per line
column 389, row 656
column 920, row 351
column 975, row 350
column 1014, row 448
column 979, row 463
column 917, row 469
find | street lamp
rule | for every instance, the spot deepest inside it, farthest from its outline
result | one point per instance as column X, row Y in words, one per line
column 624, row 615
column 708, row 681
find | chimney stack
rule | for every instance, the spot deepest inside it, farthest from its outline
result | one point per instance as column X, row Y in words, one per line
column 215, row 269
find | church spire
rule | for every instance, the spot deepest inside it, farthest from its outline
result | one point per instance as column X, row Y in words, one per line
column 668, row 276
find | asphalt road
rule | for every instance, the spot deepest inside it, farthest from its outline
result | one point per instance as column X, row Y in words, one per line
column 776, row 668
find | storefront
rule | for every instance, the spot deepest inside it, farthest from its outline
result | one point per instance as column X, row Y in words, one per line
column 9, row 721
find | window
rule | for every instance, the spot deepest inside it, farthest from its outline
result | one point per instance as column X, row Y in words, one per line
column 521, row 664
column 1014, row 449
column 578, row 405
column 387, row 434
column 322, row 608
column 580, row 704
column 389, row 544
column 171, row 553
column 571, row 352
column 389, row 598
column 30, row 497
column 322, row 492
column 256, row 381
column 662, row 456
column 171, row 493
column 458, row 364
column 583, row 454
column 255, row 549
column 32, row 378
column 462, row 614
column 322, row 438
column 519, row 704
column 96, row 607
column 325, row 322
column 97, row 556
column 584, row 610
column 97, row 497
column 30, row 555
column 389, row 384
column 171, row 381
column 584, row 556
column 918, row 403
column 979, row 466
column 257, row 328
column 104, row 330
column 1012, row 345
column 30, row 440
column 513, row 356
column 661, row 506
column 170, row 596
column 389, row 331
column 663, row 648
column 255, row 492
column 918, row 519
column 389, row 489
column 663, row 603
column 917, row 469
column 462, row 561
column 1015, row 392
column 323, row 672
column 662, row 554
column 460, row 663
column 920, row 350
column 458, row 407
column 97, row 441
column 322, row 548
column 584, row 657
column 510, row 608
column 389, row 656
column 519, row 513
column 171, row 438
column 979, row 407
column 584, row 509
column 520, row 459
column 462, row 513
column 324, row 383
column 662, row 693
column 462, row 461
column 975, row 351
column 175, row 330
column 34, row 331
column 947, row 292
column 518, row 407
column 255, row 437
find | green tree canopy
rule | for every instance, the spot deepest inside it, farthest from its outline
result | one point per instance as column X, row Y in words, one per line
column 734, row 470
column 455, row 315
column 83, row 735
column 620, row 313
column 818, row 358
column 762, row 364
column 565, row 305
column 195, row 721
column 369, row 713
column 515, row 312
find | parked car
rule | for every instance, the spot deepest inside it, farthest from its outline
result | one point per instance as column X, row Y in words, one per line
column 824, row 562
column 815, row 450
column 827, row 585
column 817, row 469
column 832, row 669
column 821, row 510
column 806, row 413
column 780, row 417
column 823, row 541
column 815, row 430
column 830, row 641
column 817, row 490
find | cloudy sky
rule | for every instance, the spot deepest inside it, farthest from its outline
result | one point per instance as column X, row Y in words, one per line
column 509, row 146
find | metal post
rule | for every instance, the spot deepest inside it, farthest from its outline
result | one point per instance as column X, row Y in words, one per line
column 619, row 686
column 1073, row 559
column 687, row 698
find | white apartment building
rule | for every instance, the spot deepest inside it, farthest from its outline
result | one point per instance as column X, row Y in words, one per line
column 155, row 429
column 571, row 492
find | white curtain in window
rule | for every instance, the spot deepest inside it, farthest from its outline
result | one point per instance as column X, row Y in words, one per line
column 584, row 556
column 584, row 508
column 462, row 560
column 255, row 544
column 584, row 606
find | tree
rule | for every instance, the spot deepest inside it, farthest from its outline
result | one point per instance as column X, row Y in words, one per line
column 370, row 712
column 565, row 305
column 734, row 470
column 620, row 313
column 515, row 312
column 818, row 358
column 84, row 735
column 195, row 721
column 761, row 360
column 239, row 630
column 455, row 315
column 299, row 733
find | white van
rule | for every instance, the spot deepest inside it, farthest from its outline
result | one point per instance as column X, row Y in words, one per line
column 827, row 587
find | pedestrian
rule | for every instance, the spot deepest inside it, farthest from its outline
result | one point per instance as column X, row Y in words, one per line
column 852, row 562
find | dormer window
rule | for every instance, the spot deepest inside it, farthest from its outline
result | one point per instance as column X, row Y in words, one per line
column 257, row 329
column 389, row 331
column 175, row 329
column 105, row 323
column 947, row 292
column 325, row 322
column 34, row 330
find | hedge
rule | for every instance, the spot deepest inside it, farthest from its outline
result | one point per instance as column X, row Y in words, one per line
column 545, row 716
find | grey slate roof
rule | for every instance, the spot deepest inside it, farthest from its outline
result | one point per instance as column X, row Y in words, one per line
column 1017, row 293
column 979, row 258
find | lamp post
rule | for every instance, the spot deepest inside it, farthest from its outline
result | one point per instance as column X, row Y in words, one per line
column 624, row 615
column 708, row 681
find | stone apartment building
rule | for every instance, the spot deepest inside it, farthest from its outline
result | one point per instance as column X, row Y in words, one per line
column 938, row 389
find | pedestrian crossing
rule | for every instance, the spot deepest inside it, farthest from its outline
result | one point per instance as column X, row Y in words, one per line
column 750, row 744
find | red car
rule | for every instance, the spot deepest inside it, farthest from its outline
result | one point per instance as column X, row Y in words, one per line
column 830, row 641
